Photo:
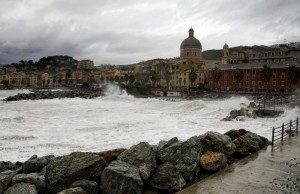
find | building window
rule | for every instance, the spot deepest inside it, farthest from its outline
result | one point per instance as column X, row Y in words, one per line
column 282, row 83
column 253, row 72
column 253, row 83
column 247, row 83
column 247, row 77
column 282, row 76
column 266, row 54
column 274, row 83
column 233, row 83
column 225, row 83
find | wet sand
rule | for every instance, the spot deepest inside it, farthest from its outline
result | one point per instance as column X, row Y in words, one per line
column 273, row 170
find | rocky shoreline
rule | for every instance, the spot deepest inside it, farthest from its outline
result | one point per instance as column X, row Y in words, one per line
column 164, row 168
column 50, row 94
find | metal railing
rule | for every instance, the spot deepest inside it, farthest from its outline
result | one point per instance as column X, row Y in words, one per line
column 286, row 129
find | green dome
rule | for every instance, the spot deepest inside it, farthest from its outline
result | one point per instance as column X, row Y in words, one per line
column 225, row 46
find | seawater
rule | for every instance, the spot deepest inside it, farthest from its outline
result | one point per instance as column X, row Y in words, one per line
column 116, row 120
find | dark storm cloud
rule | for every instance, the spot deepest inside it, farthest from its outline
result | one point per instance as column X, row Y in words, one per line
column 122, row 32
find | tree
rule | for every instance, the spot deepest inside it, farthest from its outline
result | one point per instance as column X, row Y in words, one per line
column 154, row 76
column 192, row 76
column 266, row 74
column 292, row 75
column 238, row 76
column 168, row 77
column 131, row 79
column 216, row 74
column 5, row 83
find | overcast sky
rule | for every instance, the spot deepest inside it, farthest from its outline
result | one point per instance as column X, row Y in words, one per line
column 130, row 31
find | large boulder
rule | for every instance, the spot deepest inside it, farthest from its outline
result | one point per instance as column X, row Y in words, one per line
column 62, row 171
column 217, row 142
column 6, row 165
column 234, row 134
column 36, row 164
column 183, row 155
column 75, row 190
column 246, row 144
column 213, row 161
column 167, row 178
column 142, row 156
column 4, row 182
column 90, row 187
column 121, row 178
column 22, row 188
column 32, row 178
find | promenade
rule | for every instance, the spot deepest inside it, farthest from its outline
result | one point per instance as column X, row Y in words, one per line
column 272, row 170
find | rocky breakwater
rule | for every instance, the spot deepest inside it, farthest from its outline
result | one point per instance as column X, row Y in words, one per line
column 37, row 95
column 163, row 168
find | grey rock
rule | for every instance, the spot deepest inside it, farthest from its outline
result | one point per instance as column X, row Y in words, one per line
column 167, row 178
column 36, row 164
column 4, row 182
column 217, row 142
column 90, row 187
column 183, row 155
column 121, row 178
column 246, row 145
column 22, row 188
column 6, row 165
column 142, row 156
column 75, row 190
column 32, row 178
column 233, row 134
column 62, row 171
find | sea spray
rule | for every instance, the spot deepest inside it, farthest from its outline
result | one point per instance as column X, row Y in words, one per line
column 116, row 120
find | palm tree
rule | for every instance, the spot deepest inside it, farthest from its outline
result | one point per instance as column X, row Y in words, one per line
column 192, row 76
column 216, row 75
column 238, row 76
column 292, row 75
column 266, row 74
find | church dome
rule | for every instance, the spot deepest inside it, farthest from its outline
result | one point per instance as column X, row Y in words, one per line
column 191, row 41
column 225, row 46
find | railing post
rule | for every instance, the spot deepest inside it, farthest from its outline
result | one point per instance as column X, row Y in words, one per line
column 273, row 135
column 290, row 132
column 297, row 125
column 282, row 129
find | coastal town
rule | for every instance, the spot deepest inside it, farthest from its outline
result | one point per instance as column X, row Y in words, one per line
column 242, row 69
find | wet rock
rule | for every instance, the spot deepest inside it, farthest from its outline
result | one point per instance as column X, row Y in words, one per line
column 246, row 145
column 9, row 165
column 121, row 178
column 62, row 171
column 111, row 155
column 76, row 190
column 90, row 187
column 235, row 113
column 217, row 142
column 142, row 156
column 213, row 161
column 22, row 188
column 167, row 178
column 32, row 178
column 36, row 164
column 234, row 134
column 4, row 182
column 252, row 105
column 183, row 155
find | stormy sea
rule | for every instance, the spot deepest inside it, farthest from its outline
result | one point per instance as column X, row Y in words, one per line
column 116, row 120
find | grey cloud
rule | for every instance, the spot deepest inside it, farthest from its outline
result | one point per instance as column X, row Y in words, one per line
column 122, row 32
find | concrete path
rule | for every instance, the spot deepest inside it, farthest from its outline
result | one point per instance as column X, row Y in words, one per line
column 271, row 171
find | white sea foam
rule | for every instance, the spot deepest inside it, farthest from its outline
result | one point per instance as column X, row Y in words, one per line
column 61, row 126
